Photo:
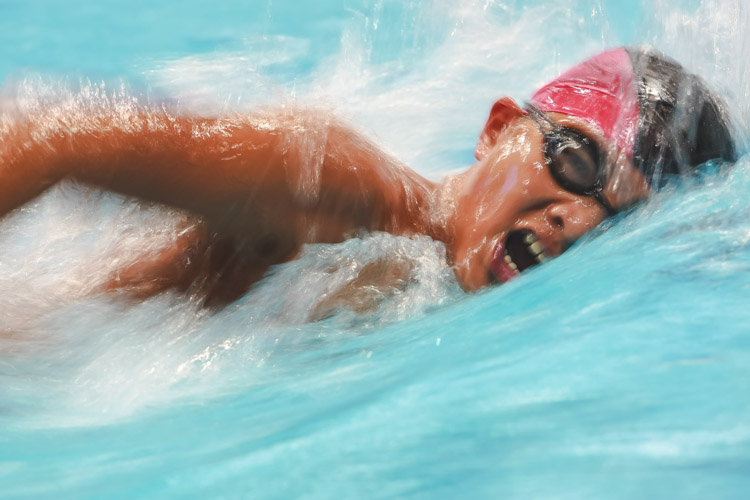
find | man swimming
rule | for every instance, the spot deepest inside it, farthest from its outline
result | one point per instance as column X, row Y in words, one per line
column 591, row 143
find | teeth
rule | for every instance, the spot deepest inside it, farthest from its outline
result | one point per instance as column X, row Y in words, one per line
column 536, row 248
column 510, row 263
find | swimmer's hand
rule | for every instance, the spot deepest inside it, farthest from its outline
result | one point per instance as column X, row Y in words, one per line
column 376, row 282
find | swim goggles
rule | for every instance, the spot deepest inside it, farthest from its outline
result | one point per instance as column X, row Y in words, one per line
column 575, row 161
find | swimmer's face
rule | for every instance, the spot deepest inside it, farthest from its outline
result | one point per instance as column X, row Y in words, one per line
column 512, row 213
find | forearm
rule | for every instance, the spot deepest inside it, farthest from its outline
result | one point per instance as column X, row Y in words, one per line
column 27, row 166
column 182, row 161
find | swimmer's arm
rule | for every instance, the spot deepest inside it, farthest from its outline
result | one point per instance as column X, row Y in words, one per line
column 315, row 174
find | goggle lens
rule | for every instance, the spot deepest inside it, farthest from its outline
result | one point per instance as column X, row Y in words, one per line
column 573, row 158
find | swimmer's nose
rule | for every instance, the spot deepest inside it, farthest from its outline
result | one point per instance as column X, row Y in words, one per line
column 571, row 219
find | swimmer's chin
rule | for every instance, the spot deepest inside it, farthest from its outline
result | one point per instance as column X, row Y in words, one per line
column 472, row 281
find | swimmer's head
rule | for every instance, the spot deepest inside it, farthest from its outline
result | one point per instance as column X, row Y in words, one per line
column 593, row 142
column 661, row 116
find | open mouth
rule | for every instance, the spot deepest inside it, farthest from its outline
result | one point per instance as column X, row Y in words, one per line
column 521, row 250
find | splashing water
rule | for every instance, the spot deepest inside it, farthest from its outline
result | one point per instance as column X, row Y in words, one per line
column 616, row 370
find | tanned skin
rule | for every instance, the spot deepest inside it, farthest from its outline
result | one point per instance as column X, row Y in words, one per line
column 242, row 177
column 262, row 186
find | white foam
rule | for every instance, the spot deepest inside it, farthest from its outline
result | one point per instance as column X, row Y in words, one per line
column 81, row 360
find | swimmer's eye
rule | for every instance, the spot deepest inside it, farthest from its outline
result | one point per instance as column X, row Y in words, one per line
column 574, row 158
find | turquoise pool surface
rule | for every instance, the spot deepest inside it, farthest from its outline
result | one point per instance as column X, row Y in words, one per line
column 618, row 370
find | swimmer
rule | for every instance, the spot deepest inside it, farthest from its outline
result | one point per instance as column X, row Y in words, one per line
column 591, row 143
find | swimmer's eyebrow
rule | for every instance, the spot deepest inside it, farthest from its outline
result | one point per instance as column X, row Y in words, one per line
column 608, row 150
column 590, row 130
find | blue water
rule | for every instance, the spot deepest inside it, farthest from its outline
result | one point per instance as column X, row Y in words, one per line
column 619, row 370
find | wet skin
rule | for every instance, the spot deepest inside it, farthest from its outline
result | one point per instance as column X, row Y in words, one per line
column 510, row 189
column 256, row 203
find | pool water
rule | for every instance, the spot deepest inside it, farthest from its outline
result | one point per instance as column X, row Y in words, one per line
column 618, row 370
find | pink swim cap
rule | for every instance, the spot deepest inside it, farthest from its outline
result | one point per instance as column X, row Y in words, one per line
column 601, row 91
column 661, row 116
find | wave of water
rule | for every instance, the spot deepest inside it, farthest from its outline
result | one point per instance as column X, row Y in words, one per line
column 617, row 370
